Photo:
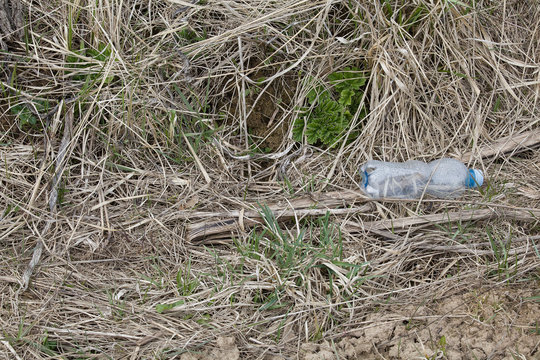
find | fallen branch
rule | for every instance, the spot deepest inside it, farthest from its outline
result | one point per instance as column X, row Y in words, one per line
column 223, row 223
column 512, row 143
column 88, row 333
column 466, row 215
column 472, row 249
column 53, row 196
column 210, row 229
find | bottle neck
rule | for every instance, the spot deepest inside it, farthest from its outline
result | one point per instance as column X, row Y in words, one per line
column 365, row 177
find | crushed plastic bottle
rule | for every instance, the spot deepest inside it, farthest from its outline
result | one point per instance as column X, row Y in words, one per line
column 444, row 178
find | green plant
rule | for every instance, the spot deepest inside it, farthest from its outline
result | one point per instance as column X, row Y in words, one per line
column 192, row 128
column 501, row 253
column 84, row 60
column 27, row 109
column 117, row 306
column 186, row 283
column 408, row 17
column 189, row 36
column 491, row 190
column 440, row 347
column 287, row 252
column 459, row 231
column 161, row 308
column 316, row 247
column 26, row 117
column 10, row 209
column 331, row 110
column 536, row 330
column 49, row 347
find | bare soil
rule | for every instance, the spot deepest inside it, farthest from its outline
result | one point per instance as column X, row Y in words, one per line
column 265, row 110
column 483, row 324
column 498, row 324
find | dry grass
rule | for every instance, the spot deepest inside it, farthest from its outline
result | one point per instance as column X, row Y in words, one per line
column 150, row 110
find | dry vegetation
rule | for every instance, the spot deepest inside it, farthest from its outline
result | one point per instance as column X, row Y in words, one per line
column 125, row 125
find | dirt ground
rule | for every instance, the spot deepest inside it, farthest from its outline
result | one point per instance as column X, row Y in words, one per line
column 482, row 324
column 485, row 325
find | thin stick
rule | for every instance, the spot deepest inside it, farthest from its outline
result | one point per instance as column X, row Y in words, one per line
column 467, row 215
column 207, row 228
column 10, row 348
column 313, row 205
column 89, row 333
column 197, row 160
column 53, row 196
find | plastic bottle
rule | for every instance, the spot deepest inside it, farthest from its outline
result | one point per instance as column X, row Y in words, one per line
column 444, row 178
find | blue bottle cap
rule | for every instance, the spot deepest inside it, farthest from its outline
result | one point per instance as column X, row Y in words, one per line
column 476, row 178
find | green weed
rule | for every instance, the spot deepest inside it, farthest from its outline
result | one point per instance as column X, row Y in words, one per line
column 26, row 118
column 460, row 231
column 186, row 283
column 412, row 16
column 188, row 36
column 84, row 60
column 332, row 109
column 161, row 308
column 440, row 347
column 408, row 17
column 491, row 190
column 316, row 246
column 503, row 259
column 153, row 280
column 10, row 209
column 118, row 306
column 49, row 347
column 192, row 126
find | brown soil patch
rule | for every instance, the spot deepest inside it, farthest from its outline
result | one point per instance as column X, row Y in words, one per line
column 264, row 109
column 500, row 324
column 225, row 349
column 497, row 324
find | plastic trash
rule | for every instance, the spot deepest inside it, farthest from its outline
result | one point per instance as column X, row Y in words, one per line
column 444, row 178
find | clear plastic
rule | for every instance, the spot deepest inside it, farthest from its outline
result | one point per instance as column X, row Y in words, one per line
column 444, row 178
